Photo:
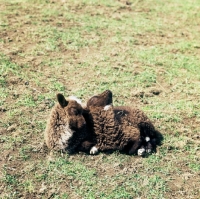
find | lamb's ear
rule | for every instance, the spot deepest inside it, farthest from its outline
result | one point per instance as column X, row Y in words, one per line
column 61, row 99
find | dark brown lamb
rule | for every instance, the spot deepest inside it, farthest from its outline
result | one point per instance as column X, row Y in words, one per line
column 118, row 128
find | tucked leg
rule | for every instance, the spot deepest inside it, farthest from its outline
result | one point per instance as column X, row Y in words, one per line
column 151, row 145
column 94, row 150
column 86, row 146
column 141, row 151
column 136, row 145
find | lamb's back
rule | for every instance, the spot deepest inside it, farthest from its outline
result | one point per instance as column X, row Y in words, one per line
column 135, row 118
column 127, row 115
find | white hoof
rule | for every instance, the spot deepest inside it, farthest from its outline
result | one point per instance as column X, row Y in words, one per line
column 141, row 152
column 107, row 107
column 93, row 150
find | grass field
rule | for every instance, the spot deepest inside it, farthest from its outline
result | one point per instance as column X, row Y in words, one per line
column 146, row 52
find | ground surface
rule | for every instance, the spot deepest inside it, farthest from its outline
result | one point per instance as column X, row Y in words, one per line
column 146, row 52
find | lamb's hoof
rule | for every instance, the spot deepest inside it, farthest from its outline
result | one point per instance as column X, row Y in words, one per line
column 93, row 150
column 141, row 152
column 107, row 107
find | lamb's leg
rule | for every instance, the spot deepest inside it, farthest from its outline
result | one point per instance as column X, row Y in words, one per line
column 151, row 145
column 137, row 144
column 86, row 146
column 141, row 151
column 148, row 146
column 94, row 150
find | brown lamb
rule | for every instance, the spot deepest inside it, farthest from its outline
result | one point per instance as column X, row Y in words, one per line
column 66, row 127
column 118, row 128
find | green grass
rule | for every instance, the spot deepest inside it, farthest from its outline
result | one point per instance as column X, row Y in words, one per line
column 82, row 48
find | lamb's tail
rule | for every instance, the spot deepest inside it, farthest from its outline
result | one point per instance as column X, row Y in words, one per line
column 147, row 130
column 149, row 133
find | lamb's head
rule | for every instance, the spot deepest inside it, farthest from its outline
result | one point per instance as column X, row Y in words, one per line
column 100, row 100
column 97, row 104
column 74, row 122
column 72, row 110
